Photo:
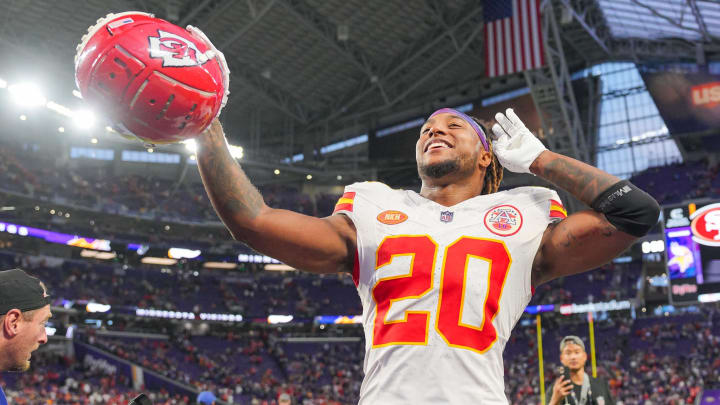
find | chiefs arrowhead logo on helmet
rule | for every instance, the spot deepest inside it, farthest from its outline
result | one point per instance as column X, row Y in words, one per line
column 705, row 225
column 152, row 79
column 175, row 51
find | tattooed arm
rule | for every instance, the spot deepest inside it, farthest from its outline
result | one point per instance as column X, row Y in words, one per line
column 583, row 240
column 319, row 245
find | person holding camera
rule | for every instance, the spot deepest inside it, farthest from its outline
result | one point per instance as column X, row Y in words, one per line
column 575, row 386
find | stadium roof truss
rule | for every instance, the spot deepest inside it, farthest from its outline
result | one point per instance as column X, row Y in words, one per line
column 308, row 73
column 692, row 20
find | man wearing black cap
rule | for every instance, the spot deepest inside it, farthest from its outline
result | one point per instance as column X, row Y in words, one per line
column 24, row 311
column 580, row 389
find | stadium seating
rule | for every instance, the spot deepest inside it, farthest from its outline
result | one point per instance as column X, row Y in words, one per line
column 649, row 360
column 55, row 379
column 680, row 181
column 259, row 294
column 666, row 359
column 156, row 198
column 147, row 196
column 250, row 294
column 253, row 365
column 613, row 281
column 658, row 360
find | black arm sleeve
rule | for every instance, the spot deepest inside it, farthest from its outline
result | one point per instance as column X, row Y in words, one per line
column 628, row 208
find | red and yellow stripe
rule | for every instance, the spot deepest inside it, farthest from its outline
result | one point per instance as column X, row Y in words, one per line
column 345, row 203
column 557, row 210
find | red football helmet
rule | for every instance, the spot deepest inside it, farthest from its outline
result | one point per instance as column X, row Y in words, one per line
column 156, row 81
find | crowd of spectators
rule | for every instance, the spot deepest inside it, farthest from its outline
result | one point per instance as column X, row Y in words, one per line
column 262, row 293
column 62, row 380
column 143, row 195
column 640, row 358
column 612, row 281
column 251, row 294
column 680, row 181
column 37, row 175
column 664, row 360
column 647, row 361
column 252, row 367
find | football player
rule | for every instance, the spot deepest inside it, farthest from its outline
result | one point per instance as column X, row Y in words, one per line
column 443, row 274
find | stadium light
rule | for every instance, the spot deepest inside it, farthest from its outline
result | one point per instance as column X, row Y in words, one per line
column 220, row 265
column 27, row 94
column 711, row 297
column 278, row 319
column 158, row 260
column 309, row 177
column 98, row 255
column 236, row 151
column 60, row 109
column 94, row 140
column 181, row 253
column 84, row 119
column 278, row 267
column 191, row 145
column 94, row 307
column 277, row 171
column 61, row 129
column 23, row 117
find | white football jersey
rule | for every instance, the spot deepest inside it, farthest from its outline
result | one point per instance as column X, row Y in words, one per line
column 442, row 288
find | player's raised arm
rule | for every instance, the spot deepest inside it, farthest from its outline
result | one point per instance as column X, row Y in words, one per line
column 587, row 239
column 320, row 245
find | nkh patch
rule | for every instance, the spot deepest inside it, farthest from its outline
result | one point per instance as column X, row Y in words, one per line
column 446, row 216
column 392, row 217
column 503, row 220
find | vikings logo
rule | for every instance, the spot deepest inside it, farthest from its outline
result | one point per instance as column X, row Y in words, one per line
column 175, row 51
column 504, row 220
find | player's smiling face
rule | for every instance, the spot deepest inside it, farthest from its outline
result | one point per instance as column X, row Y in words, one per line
column 447, row 144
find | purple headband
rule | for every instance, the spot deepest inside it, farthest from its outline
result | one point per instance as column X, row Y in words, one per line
column 467, row 119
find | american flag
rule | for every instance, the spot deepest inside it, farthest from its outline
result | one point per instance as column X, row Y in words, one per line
column 513, row 36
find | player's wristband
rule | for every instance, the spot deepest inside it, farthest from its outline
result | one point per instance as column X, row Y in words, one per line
column 628, row 208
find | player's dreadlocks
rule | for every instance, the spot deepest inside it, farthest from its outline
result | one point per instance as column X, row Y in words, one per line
column 494, row 172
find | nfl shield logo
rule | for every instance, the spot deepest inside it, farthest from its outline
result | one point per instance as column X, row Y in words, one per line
column 446, row 216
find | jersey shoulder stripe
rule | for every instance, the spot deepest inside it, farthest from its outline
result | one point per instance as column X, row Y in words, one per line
column 555, row 210
column 368, row 191
column 345, row 203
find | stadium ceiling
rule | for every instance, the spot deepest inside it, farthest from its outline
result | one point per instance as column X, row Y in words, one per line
column 691, row 20
column 305, row 73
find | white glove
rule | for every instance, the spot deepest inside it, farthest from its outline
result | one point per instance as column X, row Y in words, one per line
column 515, row 146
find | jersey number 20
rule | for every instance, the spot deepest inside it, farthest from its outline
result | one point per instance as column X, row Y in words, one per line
column 413, row 329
